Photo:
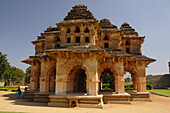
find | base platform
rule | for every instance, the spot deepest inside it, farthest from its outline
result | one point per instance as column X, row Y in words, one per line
column 76, row 100
column 42, row 97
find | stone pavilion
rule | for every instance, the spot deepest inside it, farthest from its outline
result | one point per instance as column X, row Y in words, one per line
column 71, row 58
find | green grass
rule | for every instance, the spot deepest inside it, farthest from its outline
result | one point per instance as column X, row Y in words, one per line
column 9, row 88
column 163, row 92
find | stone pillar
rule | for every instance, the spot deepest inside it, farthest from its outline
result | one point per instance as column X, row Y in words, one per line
column 134, row 82
column 61, row 79
column 119, row 84
column 93, row 88
column 35, row 73
column 141, row 79
column 46, row 66
column 135, row 85
column 61, row 84
column 92, row 83
column 119, row 78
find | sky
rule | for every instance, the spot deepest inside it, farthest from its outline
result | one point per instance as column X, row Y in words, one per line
column 21, row 21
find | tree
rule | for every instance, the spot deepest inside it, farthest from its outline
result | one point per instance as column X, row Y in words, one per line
column 27, row 75
column 9, row 74
column 4, row 66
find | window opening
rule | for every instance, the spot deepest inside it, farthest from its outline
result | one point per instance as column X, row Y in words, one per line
column 77, row 39
column 86, row 30
column 68, row 40
column 87, row 40
column 106, row 45
column 127, row 43
column 58, row 39
column 127, row 50
column 68, row 30
column 106, row 38
column 77, row 30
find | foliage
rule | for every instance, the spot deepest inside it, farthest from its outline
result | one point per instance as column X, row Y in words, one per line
column 4, row 65
column 161, row 92
column 9, row 74
column 106, row 86
column 106, row 78
column 107, row 81
column 128, row 86
column 9, row 88
column 149, row 86
column 27, row 75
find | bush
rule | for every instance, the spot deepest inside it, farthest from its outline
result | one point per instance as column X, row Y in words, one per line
column 105, row 85
column 149, row 86
column 128, row 87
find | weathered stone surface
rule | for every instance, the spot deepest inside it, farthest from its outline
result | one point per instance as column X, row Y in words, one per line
column 73, row 56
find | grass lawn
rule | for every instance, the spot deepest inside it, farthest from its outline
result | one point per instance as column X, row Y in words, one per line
column 163, row 92
column 9, row 88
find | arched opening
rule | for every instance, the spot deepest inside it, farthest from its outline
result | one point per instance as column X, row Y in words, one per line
column 106, row 38
column 76, row 80
column 127, row 43
column 52, row 80
column 73, row 104
column 130, row 82
column 68, row 30
column 77, row 30
column 86, row 30
column 107, row 80
column 80, row 81
column 58, row 39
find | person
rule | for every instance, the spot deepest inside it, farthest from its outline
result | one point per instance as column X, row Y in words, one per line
column 18, row 92
column 25, row 90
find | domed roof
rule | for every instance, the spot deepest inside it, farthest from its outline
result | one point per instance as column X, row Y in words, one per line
column 79, row 12
column 128, row 30
column 105, row 23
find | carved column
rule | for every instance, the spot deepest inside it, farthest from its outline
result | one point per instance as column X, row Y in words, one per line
column 46, row 66
column 35, row 73
column 141, row 78
column 92, row 79
column 119, row 78
column 61, row 79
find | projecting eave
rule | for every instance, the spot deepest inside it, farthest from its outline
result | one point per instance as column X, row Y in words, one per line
column 29, row 61
column 77, row 21
column 37, row 41
column 77, row 48
column 143, row 58
column 117, row 53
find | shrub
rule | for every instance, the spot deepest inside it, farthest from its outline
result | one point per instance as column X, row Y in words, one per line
column 128, row 87
column 149, row 86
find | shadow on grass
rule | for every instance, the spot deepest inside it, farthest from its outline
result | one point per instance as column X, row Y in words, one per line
column 22, row 101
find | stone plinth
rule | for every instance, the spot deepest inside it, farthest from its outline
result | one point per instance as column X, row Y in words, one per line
column 42, row 97
column 140, row 96
column 76, row 101
column 116, row 98
column 29, row 95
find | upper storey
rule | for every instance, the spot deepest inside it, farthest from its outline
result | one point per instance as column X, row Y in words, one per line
column 81, row 28
column 79, row 12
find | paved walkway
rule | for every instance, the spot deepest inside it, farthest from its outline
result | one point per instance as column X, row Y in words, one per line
column 9, row 103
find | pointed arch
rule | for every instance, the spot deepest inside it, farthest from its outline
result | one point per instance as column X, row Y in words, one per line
column 106, row 37
column 77, row 30
column 127, row 43
column 58, row 39
column 86, row 30
column 68, row 30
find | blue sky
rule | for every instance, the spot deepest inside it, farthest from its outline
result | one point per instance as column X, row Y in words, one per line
column 21, row 21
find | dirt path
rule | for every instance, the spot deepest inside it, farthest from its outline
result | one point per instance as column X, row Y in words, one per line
column 9, row 103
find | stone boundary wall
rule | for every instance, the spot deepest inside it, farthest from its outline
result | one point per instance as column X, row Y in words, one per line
column 159, row 81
